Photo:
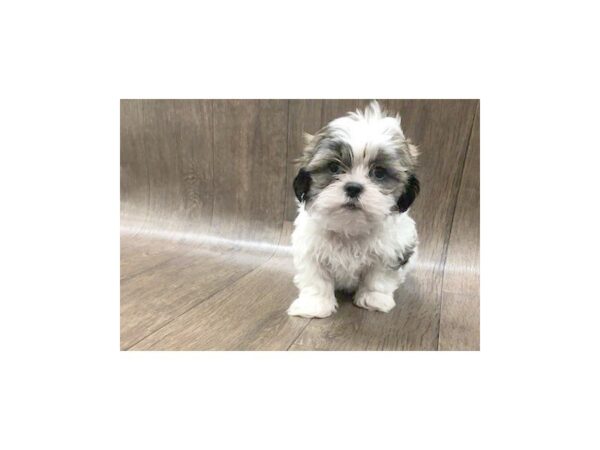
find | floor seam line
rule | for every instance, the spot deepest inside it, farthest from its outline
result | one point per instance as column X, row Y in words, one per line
column 451, row 227
column 299, row 334
column 202, row 301
column 184, row 254
column 157, row 266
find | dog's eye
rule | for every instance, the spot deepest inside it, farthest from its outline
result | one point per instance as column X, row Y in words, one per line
column 334, row 167
column 379, row 173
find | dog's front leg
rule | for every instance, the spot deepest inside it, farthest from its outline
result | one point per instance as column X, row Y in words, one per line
column 376, row 290
column 317, row 297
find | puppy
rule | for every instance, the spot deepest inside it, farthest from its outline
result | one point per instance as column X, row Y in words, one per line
column 353, row 232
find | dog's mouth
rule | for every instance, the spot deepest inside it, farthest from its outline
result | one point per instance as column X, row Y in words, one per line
column 351, row 205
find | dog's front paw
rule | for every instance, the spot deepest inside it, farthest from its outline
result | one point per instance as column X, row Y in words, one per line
column 375, row 301
column 312, row 306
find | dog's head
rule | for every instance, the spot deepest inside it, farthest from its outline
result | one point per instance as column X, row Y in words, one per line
column 357, row 170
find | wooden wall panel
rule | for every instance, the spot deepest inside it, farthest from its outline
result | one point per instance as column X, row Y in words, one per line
column 249, row 168
column 459, row 325
column 166, row 159
column 135, row 193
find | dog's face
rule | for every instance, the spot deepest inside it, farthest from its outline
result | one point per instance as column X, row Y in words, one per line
column 357, row 170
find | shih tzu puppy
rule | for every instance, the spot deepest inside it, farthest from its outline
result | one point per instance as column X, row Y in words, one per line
column 353, row 232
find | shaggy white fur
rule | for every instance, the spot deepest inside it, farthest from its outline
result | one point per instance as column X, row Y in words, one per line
column 361, row 243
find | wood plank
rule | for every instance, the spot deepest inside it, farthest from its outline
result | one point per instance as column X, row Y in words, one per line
column 166, row 165
column 441, row 128
column 134, row 180
column 305, row 117
column 140, row 254
column 459, row 326
column 249, row 314
column 461, row 272
column 250, row 139
column 332, row 109
column 156, row 296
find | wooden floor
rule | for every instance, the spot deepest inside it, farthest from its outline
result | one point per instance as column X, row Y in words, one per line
column 206, row 212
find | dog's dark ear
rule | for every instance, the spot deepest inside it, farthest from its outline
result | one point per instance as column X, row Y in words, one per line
column 411, row 190
column 302, row 184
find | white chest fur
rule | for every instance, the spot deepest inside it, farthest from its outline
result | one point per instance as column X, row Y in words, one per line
column 344, row 258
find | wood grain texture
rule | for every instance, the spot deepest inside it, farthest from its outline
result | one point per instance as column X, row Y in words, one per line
column 154, row 297
column 250, row 142
column 248, row 314
column 206, row 215
column 207, row 196
column 459, row 325
column 142, row 252
column 166, row 170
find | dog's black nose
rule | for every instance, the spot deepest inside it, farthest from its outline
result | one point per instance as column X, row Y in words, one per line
column 353, row 189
